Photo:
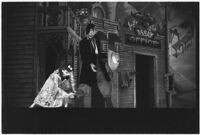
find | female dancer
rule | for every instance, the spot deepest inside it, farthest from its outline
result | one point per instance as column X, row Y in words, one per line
column 57, row 90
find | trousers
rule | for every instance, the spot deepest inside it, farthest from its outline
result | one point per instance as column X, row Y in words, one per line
column 97, row 98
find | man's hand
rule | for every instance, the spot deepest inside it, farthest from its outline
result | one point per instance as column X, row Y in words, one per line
column 93, row 67
column 67, row 98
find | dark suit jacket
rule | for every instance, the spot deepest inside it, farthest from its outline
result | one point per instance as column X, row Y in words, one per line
column 88, row 56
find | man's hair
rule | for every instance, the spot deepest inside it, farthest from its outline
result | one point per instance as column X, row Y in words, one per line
column 89, row 26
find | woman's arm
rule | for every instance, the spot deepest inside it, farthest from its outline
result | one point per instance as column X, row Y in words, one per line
column 56, row 79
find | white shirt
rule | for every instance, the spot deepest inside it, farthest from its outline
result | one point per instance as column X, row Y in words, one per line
column 94, row 46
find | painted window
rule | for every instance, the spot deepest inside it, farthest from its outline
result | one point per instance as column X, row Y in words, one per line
column 98, row 13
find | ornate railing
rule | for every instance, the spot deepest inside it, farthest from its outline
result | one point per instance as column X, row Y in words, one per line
column 52, row 17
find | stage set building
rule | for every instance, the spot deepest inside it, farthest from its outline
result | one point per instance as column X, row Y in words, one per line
column 37, row 37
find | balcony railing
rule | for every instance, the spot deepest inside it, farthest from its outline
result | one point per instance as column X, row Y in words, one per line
column 58, row 17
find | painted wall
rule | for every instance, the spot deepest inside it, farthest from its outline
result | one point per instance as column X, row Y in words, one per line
column 18, row 55
column 182, row 62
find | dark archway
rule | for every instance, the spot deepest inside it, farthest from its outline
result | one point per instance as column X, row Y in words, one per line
column 145, row 82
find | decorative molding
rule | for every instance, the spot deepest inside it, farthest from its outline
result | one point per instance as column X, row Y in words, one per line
column 98, row 5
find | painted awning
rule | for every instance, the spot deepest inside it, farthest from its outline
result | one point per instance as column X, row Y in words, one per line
column 182, row 42
column 186, row 38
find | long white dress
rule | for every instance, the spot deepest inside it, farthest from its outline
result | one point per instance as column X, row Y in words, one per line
column 50, row 95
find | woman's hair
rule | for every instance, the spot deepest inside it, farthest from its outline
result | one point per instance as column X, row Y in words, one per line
column 62, row 67
column 61, row 73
